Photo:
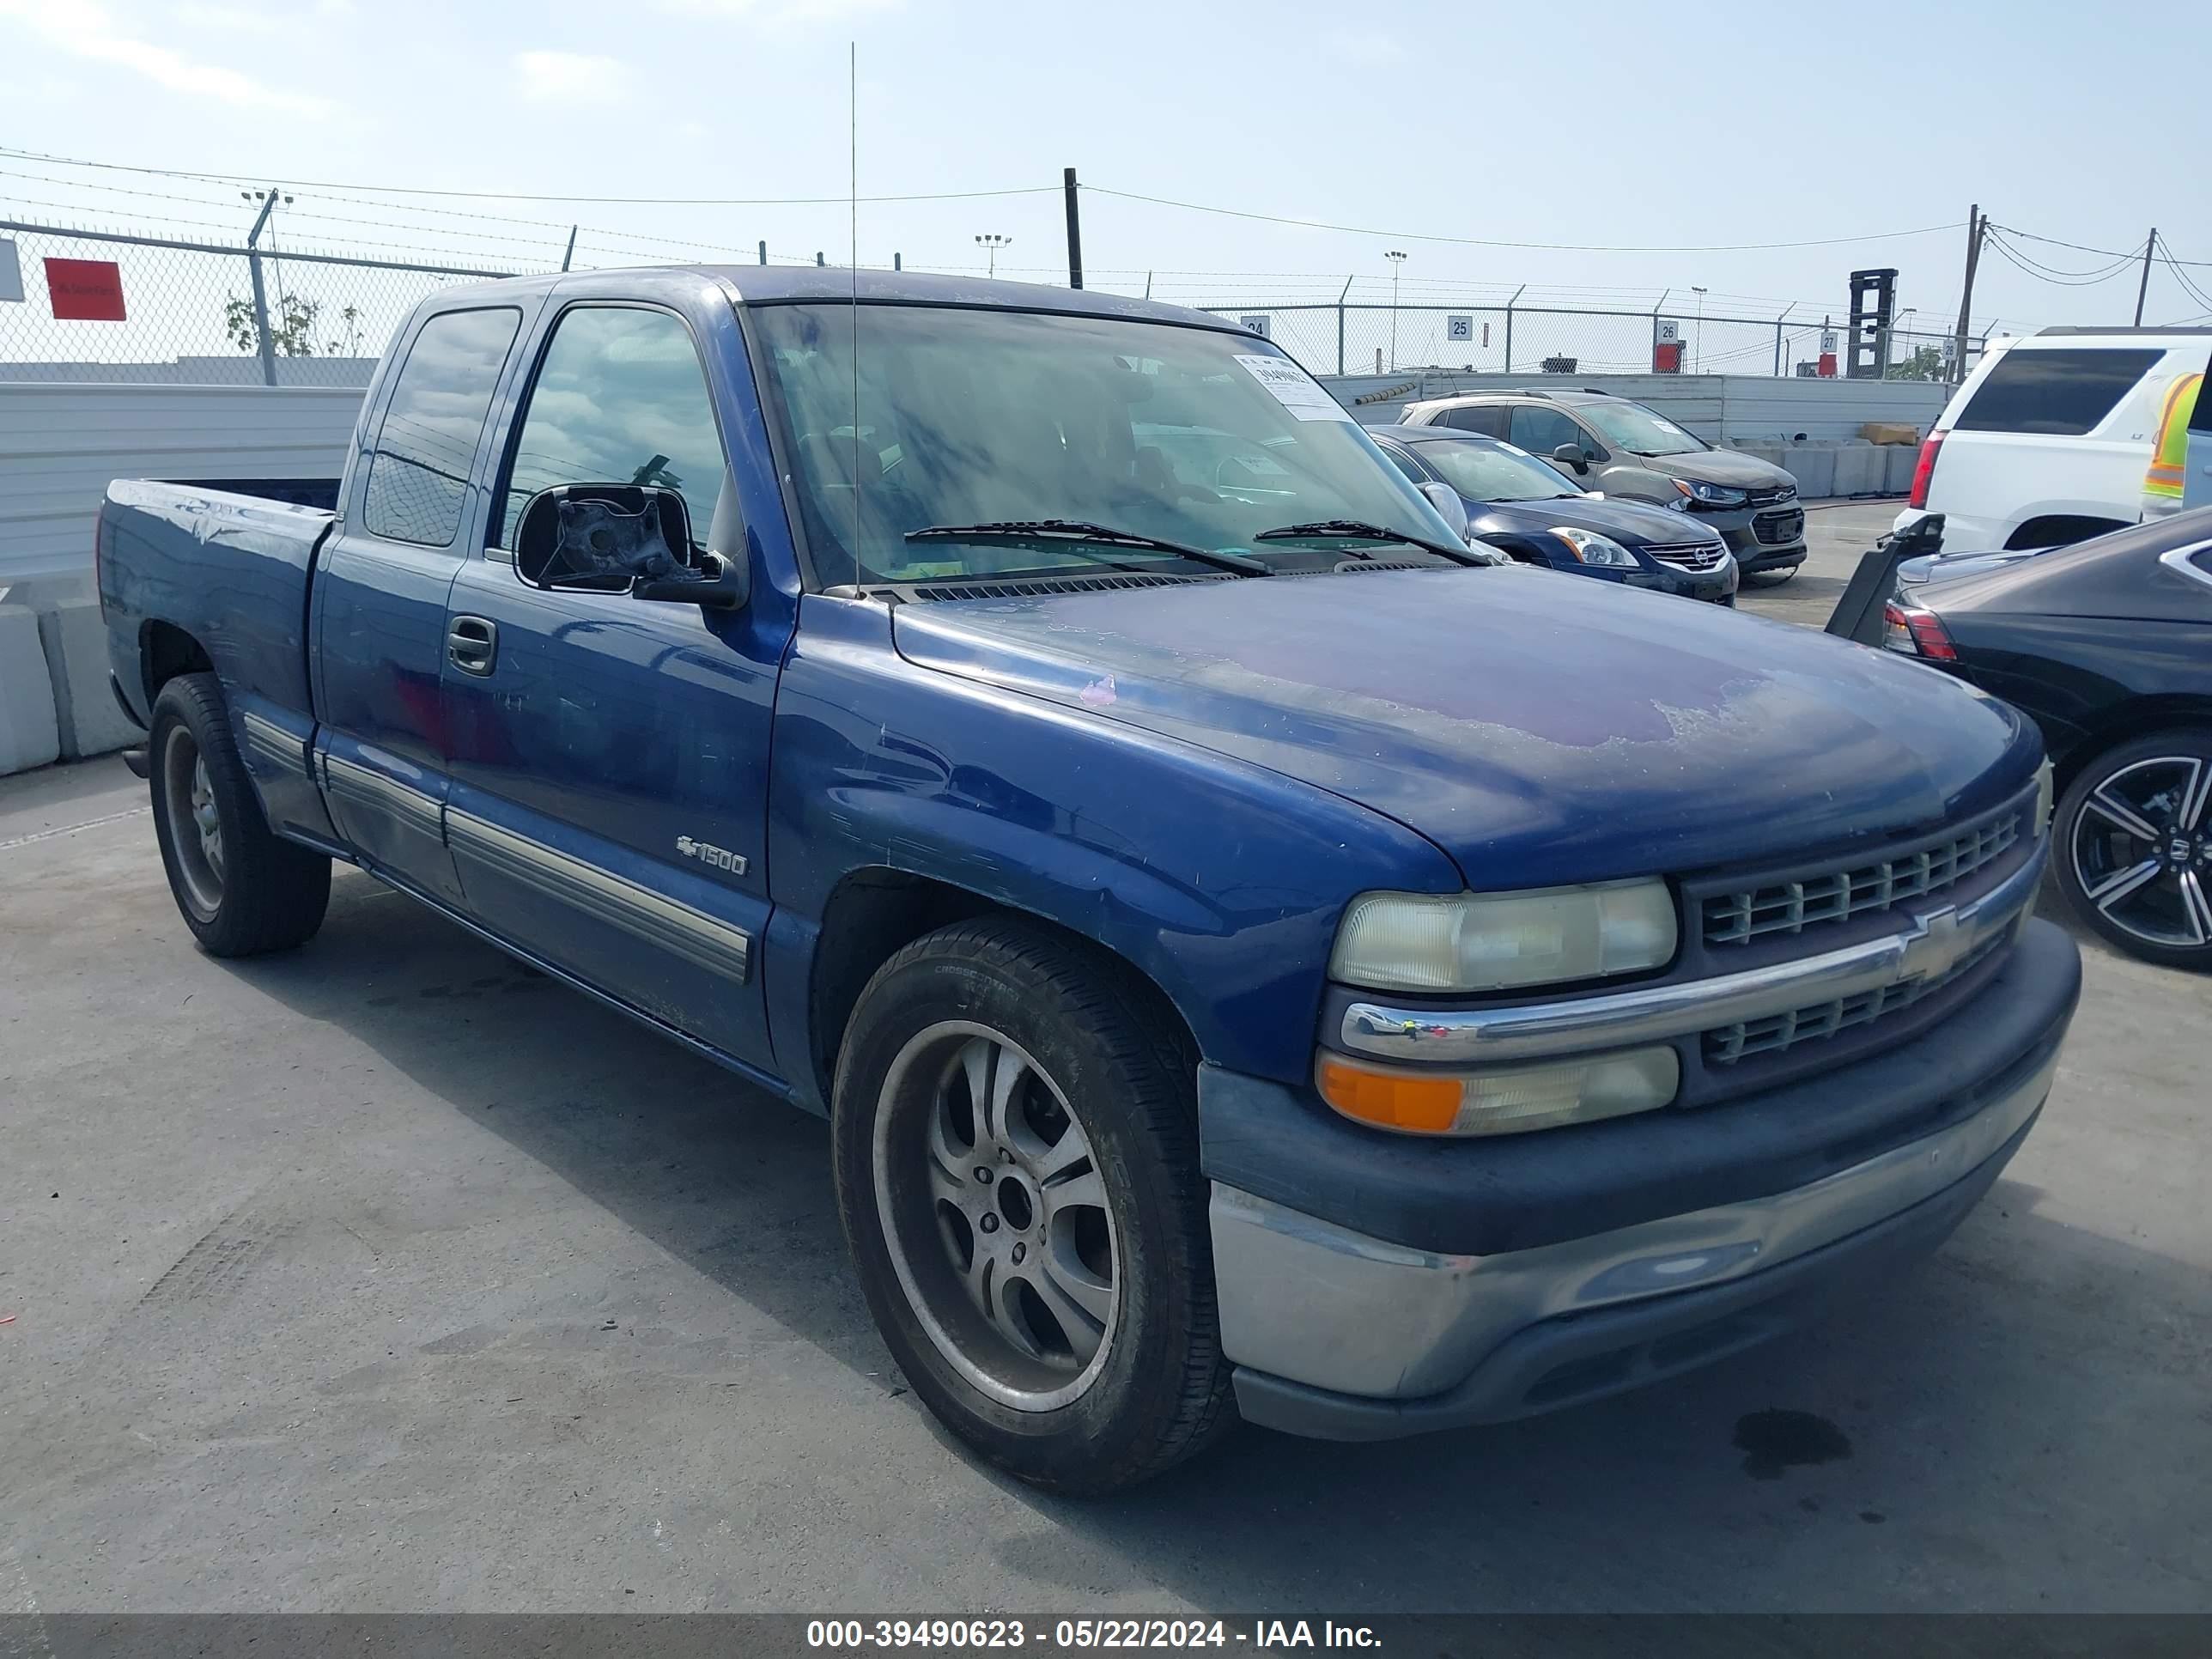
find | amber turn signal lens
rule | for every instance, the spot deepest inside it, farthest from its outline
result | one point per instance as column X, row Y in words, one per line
column 1424, row 1105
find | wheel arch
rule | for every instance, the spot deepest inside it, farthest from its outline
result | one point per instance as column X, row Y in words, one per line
column 2060, row 530
column 876, row 911
column 166, row 651
column 2124, row 722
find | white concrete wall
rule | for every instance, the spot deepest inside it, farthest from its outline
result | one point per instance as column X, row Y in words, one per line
column 61, row 445
column 1718, row 408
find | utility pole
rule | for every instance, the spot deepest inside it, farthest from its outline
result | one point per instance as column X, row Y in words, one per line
column 2143, row 288
column 1397, row 264
column 569, row 253
column 1074, row 229
column 1697, row 357
column 990, row 241
column 1977, row 222
column 268, row 199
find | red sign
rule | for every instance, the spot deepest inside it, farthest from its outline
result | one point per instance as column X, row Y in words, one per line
column 86, row 290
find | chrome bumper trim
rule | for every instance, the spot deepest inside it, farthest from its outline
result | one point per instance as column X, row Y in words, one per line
column 1306, row 1300
column 1938, row 938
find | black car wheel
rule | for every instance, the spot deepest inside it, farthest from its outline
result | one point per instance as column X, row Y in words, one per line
column 2134, row 847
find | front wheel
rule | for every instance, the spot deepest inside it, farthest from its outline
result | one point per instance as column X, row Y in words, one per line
column 2133, row 842
column 1017, row 1167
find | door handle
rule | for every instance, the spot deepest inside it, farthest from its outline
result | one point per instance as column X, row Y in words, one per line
column 472, row 644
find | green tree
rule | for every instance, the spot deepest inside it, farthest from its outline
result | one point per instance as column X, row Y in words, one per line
column 291, row 331
column 1926, row 363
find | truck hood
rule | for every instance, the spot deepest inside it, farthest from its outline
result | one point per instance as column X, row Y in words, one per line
column 1538, row 728
column 1720, row 466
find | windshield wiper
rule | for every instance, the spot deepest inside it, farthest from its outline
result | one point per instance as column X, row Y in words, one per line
column 1053, row 534
column 1353, row 530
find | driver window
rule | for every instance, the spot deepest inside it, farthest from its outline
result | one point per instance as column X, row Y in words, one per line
column 619, row 399
column 1540, row 431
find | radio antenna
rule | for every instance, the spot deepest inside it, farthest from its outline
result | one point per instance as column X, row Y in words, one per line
column 853, row 103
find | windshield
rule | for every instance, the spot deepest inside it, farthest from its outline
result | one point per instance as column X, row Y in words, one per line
column 975, row 417
column 1494, row 473
column 1638, row 430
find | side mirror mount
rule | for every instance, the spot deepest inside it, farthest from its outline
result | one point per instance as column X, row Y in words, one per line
column 629, row 538
column 1446, row 501
column 1573, row 455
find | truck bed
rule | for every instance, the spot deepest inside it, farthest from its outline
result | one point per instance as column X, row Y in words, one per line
column 225, row 574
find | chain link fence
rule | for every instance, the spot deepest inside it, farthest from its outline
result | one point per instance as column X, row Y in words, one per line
column 1360, row 336
column 202, row 314
column 110, row 306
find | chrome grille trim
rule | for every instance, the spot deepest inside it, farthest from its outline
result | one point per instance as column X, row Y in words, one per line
column 1791, row 907
column 1778, row 1033
column 1936, row 943
column 1689, row 556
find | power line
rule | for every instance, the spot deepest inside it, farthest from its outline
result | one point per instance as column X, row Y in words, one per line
column 2182, row 277
column 2109, row 253
column 1479, row 241
column 529, row 196
column 2045, row 273
column 2120, row 262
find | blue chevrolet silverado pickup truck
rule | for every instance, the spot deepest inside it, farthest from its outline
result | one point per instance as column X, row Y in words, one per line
column 1253, row 962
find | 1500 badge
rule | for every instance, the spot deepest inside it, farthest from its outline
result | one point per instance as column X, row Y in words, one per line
column 721, row 857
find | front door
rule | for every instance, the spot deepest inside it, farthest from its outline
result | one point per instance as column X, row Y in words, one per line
column 379, row 597
column 610, row 755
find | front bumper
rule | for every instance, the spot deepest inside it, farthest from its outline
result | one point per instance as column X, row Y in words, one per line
column 1711, row 587
column 1459, row 1284
column 1770, row 538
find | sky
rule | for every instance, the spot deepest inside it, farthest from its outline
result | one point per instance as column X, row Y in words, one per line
column 1446, row 132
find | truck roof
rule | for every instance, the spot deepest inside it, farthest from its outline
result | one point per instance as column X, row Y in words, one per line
column 790, row 284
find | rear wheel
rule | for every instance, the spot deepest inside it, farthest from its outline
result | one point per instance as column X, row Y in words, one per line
column 2133, row 843
column 241, row 890
column 1017, row 1169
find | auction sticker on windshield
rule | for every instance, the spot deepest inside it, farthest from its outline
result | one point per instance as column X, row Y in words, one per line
column 1293, row 388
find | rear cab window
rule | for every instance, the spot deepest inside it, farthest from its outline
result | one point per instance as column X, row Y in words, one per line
column 1488, row 419
column 418, row 474
column 2064, row 391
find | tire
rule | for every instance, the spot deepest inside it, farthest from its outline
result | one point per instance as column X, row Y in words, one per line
column 241, row 890
column 2150, row 894
column 1022, row 1357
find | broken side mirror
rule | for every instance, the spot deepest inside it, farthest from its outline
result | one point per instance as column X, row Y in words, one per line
column 626, row 539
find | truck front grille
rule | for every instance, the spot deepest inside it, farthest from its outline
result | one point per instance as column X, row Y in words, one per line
column 1777, row 528
column 1791, row 907
column 1724, row 1045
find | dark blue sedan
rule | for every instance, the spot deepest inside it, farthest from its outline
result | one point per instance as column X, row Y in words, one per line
column 1521, row 504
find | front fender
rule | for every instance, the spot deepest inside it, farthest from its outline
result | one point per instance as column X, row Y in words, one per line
column 1221, row 881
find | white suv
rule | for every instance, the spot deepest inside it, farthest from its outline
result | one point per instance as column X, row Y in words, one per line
column 2047, row 441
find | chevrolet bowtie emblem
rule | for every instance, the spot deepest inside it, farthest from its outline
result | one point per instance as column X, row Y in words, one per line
column 1939, row 941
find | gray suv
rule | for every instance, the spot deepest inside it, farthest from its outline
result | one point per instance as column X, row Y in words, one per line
column 1633, row 454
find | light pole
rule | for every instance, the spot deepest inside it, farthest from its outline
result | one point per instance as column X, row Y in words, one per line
column 1397, row 264
column 1697, row 356
column 990, row 242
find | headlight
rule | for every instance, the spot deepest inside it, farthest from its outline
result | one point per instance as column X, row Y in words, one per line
column 2044, row 788
column 1502, row 1099
column 1495, row 941
column 1710, row 495
column 1591, row 548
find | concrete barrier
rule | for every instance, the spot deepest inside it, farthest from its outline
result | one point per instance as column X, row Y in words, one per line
column 1813, row 466
column 85, row 715
column 1898, row 460
column 28, row 736
column 1858, row 471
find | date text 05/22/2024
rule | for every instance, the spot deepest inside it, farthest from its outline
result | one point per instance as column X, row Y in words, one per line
column 1262, row 1634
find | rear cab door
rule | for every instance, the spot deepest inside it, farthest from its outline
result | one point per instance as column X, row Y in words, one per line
column 610, row 755
column 379, row 596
